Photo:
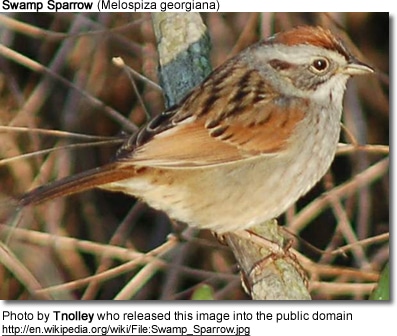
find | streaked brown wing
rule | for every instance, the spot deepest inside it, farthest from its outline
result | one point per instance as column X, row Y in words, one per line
column 185, row 146
column 194, row 144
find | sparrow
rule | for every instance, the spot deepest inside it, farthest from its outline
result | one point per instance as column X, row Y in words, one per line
column 242, row 146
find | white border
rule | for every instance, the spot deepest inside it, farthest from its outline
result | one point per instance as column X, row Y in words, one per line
column 368, row 317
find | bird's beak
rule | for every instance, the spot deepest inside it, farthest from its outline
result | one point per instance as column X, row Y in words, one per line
column 355, row 67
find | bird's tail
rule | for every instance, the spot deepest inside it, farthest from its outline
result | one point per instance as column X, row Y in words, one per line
column 76, row 183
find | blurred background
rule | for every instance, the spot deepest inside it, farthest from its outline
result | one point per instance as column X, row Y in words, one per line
column 56, row 73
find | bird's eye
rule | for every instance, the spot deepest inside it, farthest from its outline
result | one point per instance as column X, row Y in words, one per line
column 320, row 64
